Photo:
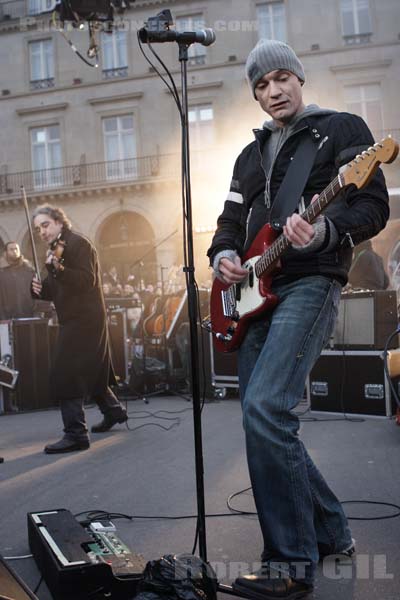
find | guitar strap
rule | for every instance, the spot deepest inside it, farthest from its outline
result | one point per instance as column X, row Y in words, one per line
column 291, row 189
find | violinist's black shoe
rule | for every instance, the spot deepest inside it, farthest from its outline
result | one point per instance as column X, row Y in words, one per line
column 109, row 420
column 66, row 445
column 261, row 586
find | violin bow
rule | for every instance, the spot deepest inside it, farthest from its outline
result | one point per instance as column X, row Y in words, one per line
column 34, row 253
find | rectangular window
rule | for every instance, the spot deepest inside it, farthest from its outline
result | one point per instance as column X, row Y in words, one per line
column 41, row 58
column 120, row 147
column 366, row 101
column 272, row 21
column 197, row 52
column 46, row 156
column 356, row 21
column 114, row 54
column 201, row 132
column 36, row 7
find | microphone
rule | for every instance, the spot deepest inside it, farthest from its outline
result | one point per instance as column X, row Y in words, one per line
column 206, row 37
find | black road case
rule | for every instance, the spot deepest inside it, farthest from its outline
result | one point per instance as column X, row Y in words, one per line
column 352, row 381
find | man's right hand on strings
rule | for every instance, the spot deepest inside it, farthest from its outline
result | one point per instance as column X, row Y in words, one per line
column 232, row 272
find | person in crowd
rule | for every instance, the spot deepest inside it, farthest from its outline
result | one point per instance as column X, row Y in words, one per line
column 107, row 290
column 127, row 290
column 15, row 298
column 111, row 276
column 81, row 366
column 300, row 517
column 367, row 271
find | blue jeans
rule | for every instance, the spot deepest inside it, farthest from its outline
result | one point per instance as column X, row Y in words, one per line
column 295, row 506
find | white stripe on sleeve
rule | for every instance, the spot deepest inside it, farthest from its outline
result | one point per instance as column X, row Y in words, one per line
column 235, row 197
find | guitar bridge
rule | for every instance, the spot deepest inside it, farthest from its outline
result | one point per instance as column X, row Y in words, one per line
column 228, row 298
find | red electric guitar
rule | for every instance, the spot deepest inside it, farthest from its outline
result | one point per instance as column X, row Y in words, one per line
column 232, row 307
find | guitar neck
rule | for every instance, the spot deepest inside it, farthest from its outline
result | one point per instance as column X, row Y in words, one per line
column 268, row 259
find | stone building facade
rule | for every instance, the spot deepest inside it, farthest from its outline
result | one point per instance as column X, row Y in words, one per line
column 103, row 141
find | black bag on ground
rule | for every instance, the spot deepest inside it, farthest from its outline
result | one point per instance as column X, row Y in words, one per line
column 181, row 577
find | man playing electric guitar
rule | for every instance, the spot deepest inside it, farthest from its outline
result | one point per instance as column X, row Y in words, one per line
column 300, row 517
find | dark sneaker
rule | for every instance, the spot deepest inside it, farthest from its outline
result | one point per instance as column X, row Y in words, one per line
column 67, row 445
column 325, row 550
column 261, row 586
column 109, row 420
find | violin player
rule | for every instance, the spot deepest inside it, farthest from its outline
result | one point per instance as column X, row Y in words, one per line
column 82, row 365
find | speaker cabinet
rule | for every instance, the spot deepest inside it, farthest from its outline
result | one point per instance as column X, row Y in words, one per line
column 118, row 336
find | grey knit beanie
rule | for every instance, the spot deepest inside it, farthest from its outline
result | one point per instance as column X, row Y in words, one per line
column 271, row 55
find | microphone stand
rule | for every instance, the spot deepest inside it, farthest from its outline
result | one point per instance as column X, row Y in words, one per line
column 189, row 270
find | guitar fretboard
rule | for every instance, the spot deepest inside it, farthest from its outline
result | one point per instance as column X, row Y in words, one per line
column 281, row 244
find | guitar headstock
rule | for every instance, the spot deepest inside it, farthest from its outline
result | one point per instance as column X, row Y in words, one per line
column 363, row 167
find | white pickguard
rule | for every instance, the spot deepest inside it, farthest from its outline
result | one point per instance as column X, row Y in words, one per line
column 250, row 297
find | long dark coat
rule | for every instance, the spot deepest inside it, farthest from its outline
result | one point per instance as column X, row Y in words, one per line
column 81, row 365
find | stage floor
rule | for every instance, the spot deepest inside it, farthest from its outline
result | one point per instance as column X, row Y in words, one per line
column 150, row 471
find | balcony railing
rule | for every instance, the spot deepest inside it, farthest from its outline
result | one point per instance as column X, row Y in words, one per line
column 92, row 174
column 355, row 39
column 13, row 9
column 115, row 73
column 42, row 84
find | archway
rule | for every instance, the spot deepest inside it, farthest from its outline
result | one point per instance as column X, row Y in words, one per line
column 126, row 240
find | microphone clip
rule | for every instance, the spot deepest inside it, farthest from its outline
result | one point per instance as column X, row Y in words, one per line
column 159, row 23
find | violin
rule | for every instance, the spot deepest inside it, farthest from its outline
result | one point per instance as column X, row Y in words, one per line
column 56, row 252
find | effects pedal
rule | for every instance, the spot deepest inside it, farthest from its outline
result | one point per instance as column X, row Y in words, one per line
column 108, row 548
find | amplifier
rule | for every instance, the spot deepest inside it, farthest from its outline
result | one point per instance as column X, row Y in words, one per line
column 223, row 368
column 81, row 563
column 11, row 585
column 365, row 321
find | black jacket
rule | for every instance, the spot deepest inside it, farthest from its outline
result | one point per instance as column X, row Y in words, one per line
column 356, row 214
column 81, row 363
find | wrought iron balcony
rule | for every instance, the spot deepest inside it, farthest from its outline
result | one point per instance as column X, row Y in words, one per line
column 42, row 84
column 92, row 175
column 357, row 38
column 115, row 73
column 13, row 9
